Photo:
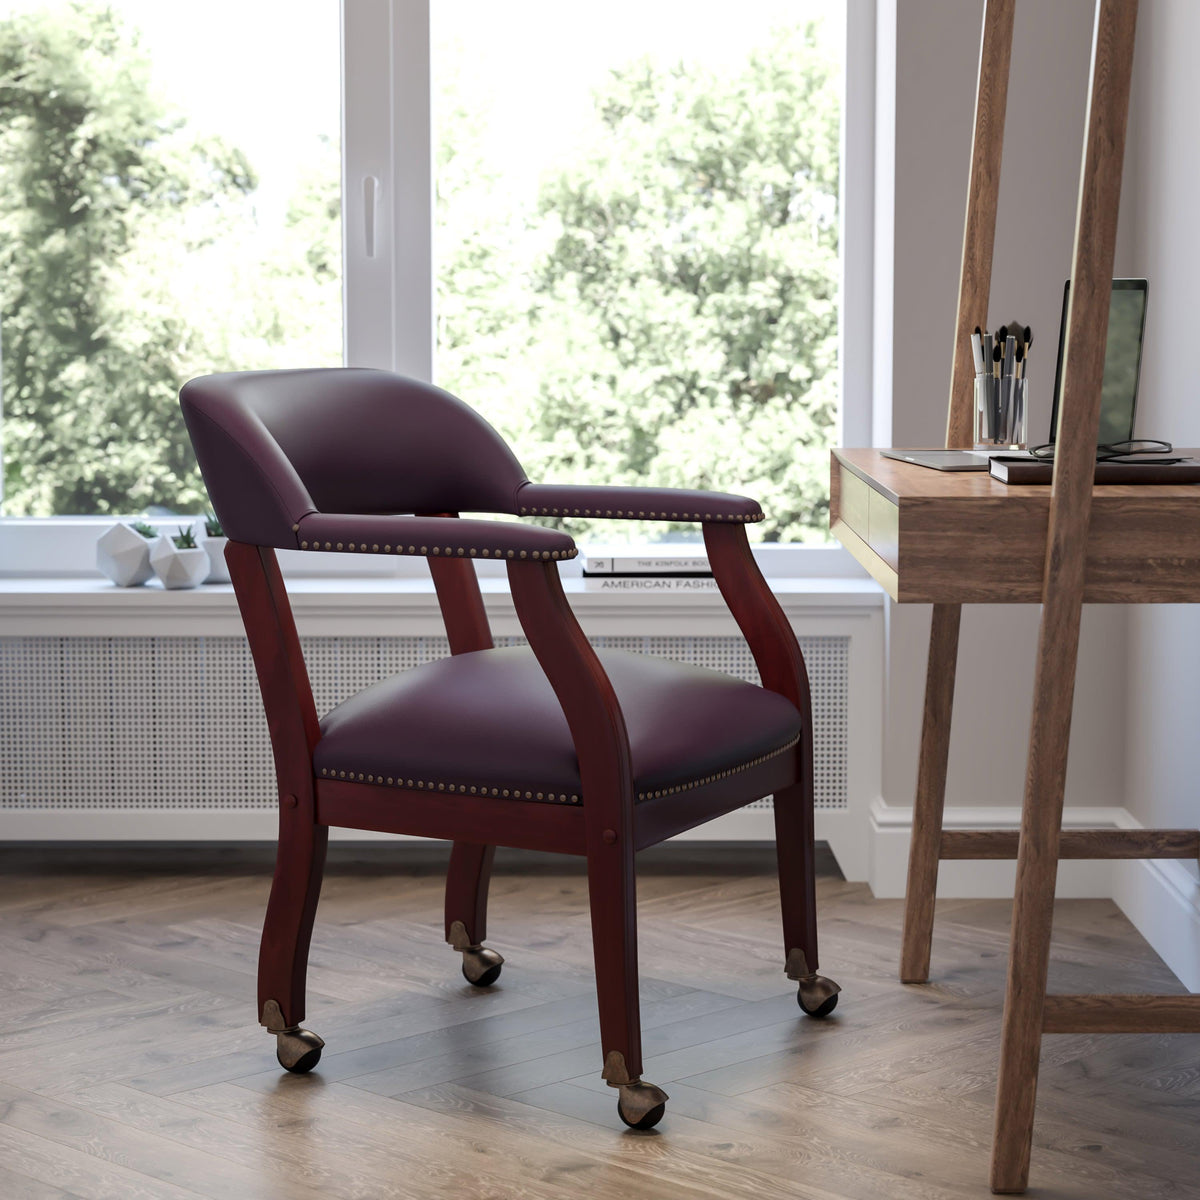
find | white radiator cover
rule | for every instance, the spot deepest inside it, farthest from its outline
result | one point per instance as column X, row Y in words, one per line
column 175, row 724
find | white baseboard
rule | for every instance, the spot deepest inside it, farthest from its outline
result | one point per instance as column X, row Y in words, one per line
column 1161, row 898
column 976, row 879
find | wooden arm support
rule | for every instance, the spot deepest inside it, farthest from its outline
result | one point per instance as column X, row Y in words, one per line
column 279, row 664
column 766, row 629
column 585, row 693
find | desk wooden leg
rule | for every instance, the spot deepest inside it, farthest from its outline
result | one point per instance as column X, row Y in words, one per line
column 1033, row 908
column 931, row 794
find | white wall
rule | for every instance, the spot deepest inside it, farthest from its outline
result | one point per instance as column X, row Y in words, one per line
column 936, row 64
column 1163, row 682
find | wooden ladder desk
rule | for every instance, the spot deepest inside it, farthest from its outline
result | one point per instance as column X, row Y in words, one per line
column 950, row 539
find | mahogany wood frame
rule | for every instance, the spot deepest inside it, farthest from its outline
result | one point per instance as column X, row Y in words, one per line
column 607, row 829
column 1029, row 1012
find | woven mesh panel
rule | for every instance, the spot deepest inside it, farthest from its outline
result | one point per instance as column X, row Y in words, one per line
column 176, row 722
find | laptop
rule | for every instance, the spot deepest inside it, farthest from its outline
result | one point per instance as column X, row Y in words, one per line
column 1118, row 402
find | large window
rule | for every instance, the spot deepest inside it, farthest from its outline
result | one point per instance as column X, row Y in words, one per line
column 614, row 232
column 636, row 245
column 169, row 206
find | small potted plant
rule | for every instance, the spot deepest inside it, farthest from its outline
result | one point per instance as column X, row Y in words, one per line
column 214, row 542
column 178, row 561
column 123, row 553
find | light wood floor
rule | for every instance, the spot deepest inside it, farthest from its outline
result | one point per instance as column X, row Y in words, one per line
column 131, row 1065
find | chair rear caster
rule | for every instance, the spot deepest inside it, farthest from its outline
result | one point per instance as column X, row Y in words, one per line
column 816, row 995
column 641, row 1105
column 481, row 966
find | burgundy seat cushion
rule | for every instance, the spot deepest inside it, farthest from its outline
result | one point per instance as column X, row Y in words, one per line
column 488, row 722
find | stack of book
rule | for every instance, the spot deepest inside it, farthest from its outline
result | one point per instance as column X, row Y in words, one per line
column 663, row 569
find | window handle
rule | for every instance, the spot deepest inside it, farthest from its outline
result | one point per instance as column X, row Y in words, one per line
column 370, row 207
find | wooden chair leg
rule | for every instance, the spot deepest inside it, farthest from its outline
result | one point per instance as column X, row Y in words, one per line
column 287, row 932
column 467, row 881
column 612, row 895
column 816, row 995
column 931, row 794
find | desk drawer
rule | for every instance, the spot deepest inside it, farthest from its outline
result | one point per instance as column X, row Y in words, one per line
column 871, row 516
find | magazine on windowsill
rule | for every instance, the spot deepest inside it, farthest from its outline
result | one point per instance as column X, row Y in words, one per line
column 685, row 560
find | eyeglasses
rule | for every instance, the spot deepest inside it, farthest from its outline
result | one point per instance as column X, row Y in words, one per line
column 1115, row 451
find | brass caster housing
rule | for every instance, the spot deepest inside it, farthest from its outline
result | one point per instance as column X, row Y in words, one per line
column 641, row 1105
column 298, row 1050
column 481, row 966
column 817, row 996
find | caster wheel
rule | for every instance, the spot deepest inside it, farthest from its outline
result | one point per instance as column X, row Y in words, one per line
column 641, row 1105
column 822, row 1010
column 817, row 996
column 481, row 966
column 298, row 1050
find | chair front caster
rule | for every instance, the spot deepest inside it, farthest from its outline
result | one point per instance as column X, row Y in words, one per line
column 641, row 1105
column 481, row 966
column 298, row 1050
column 817, row 996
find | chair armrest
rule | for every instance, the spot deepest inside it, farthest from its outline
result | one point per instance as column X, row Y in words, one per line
column 634, row 503
column 430, row 536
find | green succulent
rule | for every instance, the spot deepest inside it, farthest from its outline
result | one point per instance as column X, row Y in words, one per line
column 212, row 527
column 184, row 539
column 147, row 531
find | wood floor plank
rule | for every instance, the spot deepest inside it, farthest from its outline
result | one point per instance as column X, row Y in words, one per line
column 131, row 1063
column 79, row 1172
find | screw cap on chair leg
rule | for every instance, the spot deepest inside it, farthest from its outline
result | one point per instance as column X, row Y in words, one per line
column 481, row 966
column 641, row 1105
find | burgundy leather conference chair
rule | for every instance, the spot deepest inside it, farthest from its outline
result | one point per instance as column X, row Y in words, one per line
column 556, row 747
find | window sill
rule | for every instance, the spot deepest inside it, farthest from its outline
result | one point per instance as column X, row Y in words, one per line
column 375, row 606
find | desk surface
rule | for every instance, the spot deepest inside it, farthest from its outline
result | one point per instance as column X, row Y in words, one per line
column 962, row 537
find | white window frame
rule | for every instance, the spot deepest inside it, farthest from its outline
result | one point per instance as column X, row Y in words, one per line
column 388, row 283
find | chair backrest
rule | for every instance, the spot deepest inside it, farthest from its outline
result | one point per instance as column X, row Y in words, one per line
column 276, row 445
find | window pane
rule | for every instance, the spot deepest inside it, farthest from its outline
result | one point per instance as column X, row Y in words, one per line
column 637, row 243
column 169, row 206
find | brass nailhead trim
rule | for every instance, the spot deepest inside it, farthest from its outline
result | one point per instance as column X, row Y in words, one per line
column 460, row 552
column 462, row 788
column 707, row 779
column 559, row 797
column 737, row 518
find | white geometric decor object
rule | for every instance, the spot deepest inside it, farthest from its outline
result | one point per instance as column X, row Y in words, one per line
column 178, row 568
column 218, row 569
column 123, row 556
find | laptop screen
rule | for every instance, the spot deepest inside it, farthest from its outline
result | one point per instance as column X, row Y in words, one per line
column 1122, row 360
